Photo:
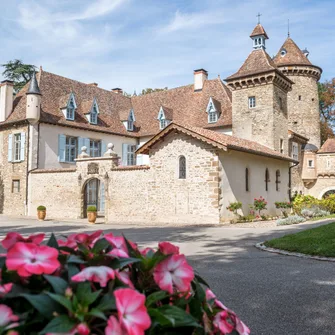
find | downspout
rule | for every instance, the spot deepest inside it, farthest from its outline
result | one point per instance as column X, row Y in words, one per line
column 27, row 172
column 290, row 180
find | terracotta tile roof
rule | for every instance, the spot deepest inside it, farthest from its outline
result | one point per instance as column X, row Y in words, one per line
column 293, row 134
column 55, row 90
column 293, row 56
column 219, row 140
column 188, row 107
column 257, row 62
column 168, row 112
column 259, row 30
column 328, row 146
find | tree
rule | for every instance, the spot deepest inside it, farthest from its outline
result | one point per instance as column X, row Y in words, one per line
column 151, row 90
column 327, row 109
column 18, row 72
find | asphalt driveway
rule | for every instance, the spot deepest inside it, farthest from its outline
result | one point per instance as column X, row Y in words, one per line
column 273, row 294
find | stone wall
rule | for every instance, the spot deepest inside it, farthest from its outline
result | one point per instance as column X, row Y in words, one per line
column 303, row 114
column 13, row 203
column 267, row 122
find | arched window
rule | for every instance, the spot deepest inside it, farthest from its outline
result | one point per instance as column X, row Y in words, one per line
column 277, row 180
column 267, row 179
column 247, row 180
column 182, row 167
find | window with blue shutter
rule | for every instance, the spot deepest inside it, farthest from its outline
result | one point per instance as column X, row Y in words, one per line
column 124, row 153
column 103, row 147
column 10, row 147
column 23, row 142
column 61, row 147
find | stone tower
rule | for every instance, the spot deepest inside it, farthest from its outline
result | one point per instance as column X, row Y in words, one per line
column 33, row 107
column 259, row 97
column 303, row 100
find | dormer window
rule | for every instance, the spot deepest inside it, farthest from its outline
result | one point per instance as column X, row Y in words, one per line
column 71, row 108
column 92, row 115
column 163, row 118
column 130, row 121
column 212, row 111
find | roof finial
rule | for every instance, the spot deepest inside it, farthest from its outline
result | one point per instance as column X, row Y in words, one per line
column 288, row 27
column 259, row 17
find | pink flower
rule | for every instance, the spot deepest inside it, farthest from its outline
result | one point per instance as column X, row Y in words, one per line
column 174, row 271
column 167, row 248
column 5, row 288
column 124, row 276
column 119, row 244
column 223, row 322
column 12, row 238
column 240, row 327
column 210, row 296
column 132, row 312
column 97, row 274
column 28, row 259
column 114, row 327
column 145, row 251
column 7, row 316
column 87, row 239
column 82, row 329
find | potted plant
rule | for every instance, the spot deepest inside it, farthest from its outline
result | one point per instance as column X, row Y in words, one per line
column 92, row 214
column 41, row 212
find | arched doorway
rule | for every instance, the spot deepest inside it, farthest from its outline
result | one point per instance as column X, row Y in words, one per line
column 328, row 193
column 94, row 195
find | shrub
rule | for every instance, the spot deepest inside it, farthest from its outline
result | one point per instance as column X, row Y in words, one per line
column 328, row 203
column 246, row 218
column 304, row 201
column 313, row 212
column 294, row 219
column 91, row 208
column 234, row 206
column 41, row 208
column 94, row 284
column 283, row 206
column 260, row 204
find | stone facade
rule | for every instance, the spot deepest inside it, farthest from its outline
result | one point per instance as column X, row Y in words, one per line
column 13, row 200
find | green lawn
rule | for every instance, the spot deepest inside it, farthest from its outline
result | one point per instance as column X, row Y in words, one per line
column 317, row 241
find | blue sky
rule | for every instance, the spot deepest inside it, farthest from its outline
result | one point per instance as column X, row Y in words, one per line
column 135, row 44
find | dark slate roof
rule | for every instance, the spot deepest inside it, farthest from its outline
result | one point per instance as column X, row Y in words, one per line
column 33, row 86
column 309, row 147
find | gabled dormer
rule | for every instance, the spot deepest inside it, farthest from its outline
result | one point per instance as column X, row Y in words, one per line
column 213, row 111
column 128, row 119
column 164, row 117
column 70, row 108
column 92, row 115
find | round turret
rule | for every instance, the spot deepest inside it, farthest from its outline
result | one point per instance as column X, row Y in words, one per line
column 33, row 106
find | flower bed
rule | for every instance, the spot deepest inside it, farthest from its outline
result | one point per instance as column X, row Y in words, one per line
column 95, row 284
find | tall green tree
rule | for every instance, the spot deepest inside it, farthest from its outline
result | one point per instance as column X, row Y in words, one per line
column 18, row 72
column 327, row 109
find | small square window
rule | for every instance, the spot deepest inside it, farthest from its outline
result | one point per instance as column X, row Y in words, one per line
column 252, row 102
column 310, row 163
column 299, row 97
column 16, row 186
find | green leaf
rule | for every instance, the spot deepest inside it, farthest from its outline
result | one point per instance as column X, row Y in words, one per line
column 75, row 259
column 58, row 284
column 160, row 318
column 100, row 245
column 154, row 297
column 53, row 242
column 201, row 280
column 72, row 270
column 199, row 291
column 126, row 261
column 44, row 304
column 85, row 295
column 107, row 303
column 97, row 313
column 62, row 300
column 178, row 317
column 61, row 324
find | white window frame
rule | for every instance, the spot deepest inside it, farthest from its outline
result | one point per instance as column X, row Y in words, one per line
column 131, row 157
column 95, row 148
column 14, row 188
column 212, row 117
column 94, row 115
column 71, row 107
column 252, row 102
column 310, row 166
column 295, row 151
column 71, row 149
column 130, row 125
column 17, row 147
column 162, row 123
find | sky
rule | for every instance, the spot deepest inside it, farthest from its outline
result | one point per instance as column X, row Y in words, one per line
column 135, row 44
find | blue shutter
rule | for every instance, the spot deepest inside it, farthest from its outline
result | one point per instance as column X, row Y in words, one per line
column 81, row 143
column 61, row 147
column 10, row 147
column 103, row 148
column 124, row 154
column 23, row 142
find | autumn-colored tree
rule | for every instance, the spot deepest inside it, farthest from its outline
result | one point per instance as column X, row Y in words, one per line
column 327, row 109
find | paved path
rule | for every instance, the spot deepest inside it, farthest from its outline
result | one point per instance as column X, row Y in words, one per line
column 273, row 294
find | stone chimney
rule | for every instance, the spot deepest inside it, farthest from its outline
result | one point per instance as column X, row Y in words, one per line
column 6, row 99
column 200, row 76
column 117, row 90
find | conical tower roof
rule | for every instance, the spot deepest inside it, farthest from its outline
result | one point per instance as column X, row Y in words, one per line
column 259, row 30
column 290, row 54
column 33, row 86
